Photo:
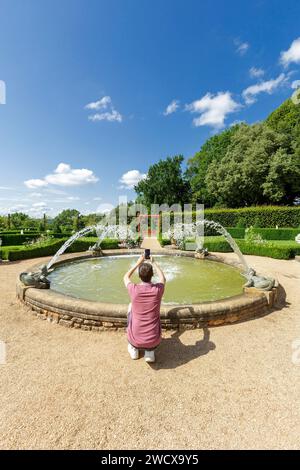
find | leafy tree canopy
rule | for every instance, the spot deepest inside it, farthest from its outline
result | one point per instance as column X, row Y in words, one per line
column 165, row 183
column 258, row 168
column 214, row 148
column 67, row 221
column 249, row 165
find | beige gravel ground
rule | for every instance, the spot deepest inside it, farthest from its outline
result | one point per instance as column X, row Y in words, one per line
column 237, row 387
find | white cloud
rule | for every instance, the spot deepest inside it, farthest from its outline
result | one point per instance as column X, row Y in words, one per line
column 6, row 188
column 131, row 179
column 109, row 113
column 171, row 108
column 58, row 192
column 35, row 195
column 100, row 104
column 292, row 55
column 269, row 86
column 104, row 208
column 73, row 198
column 14, row 208
column 241, row 47
column 213, row 109
column 38, row 211
column 19, row 206
column 39, row 204
column 64, row 175
column 97, row 198
column 109, row 116
column 256, row 72
column 35, row 183
column 295, row 84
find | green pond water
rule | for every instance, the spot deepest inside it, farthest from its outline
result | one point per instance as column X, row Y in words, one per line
column 188, row 280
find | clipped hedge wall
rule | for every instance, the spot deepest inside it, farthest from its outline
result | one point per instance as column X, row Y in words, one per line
column 259, row 216
column 263, row 216
column 9, row 238
column 83, row 244
column 18, row 232
column 272, row 250
column 277, row 234
column 33, row 252
column 235, row 232
column 17, row 239
column 217, row 244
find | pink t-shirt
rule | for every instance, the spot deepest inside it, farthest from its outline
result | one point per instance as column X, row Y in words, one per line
column 144, row 330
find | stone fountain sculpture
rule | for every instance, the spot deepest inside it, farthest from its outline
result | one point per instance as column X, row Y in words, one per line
column 96, row 250
column 201, row 253
column 260, row 282
column 36, row 279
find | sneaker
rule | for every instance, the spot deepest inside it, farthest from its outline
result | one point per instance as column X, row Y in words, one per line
column 133, row 352
column 149, row 356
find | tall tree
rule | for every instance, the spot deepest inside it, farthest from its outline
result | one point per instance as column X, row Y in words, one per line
column 18, row 220
column 214, row 149
column 3, row 222
column 67, row 221
column 165, row 183
column 256, row 169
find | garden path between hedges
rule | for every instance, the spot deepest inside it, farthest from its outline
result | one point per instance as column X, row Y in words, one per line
column 235, row 387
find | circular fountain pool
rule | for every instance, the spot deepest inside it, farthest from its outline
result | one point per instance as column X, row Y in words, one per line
column 88, row 292
column 188, row 279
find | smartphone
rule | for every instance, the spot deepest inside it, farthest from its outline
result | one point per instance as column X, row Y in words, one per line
column 147, row 253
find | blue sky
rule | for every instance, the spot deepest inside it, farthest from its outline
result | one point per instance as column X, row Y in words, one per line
column 99, row 88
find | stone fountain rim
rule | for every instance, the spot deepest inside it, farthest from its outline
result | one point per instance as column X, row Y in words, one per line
column 88, row 314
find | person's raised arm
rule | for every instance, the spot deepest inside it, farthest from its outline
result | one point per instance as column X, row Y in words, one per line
column 129, row 273
column 160, row 273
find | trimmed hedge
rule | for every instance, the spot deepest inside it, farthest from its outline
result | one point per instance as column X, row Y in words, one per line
column 263, row 216
column 17, row 239
column 9, row 239
column 272, row 250
column 280, row 249
column 277, row 234
column 259, row 216
column 235, row 232
column 18, row 232
column 83, row 244
column 33, row 252
column 217, row 244
column 277, row 250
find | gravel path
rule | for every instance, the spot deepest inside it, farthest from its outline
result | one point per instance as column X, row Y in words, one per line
column 229, row 387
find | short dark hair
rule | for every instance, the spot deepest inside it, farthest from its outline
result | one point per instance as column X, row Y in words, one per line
column 146, row 272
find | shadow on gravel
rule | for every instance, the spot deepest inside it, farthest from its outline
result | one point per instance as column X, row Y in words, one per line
column 173, row 353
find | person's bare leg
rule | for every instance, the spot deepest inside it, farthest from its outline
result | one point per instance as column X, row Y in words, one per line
column 133, row 352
